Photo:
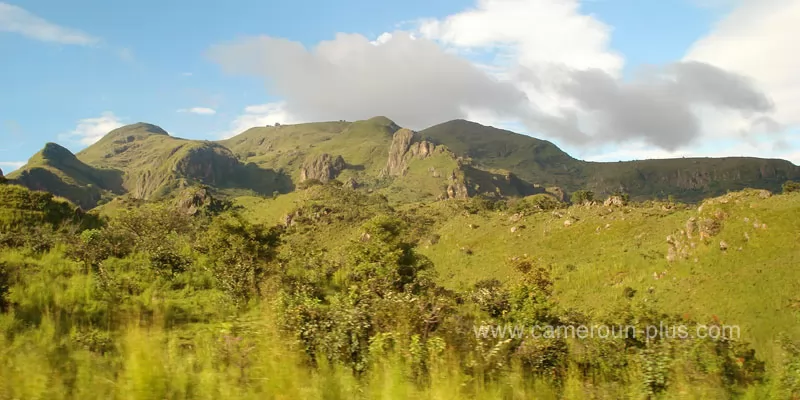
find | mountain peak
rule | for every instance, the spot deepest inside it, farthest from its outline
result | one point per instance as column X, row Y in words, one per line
column 55, row 152
column 381, row 120
column 142, row 128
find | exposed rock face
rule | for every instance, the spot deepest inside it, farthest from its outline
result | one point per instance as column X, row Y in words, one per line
column 323, row 167
column 194, row 201
column 210, row 164
column 614, row 201
column 351, row 183
column 457, row 190
column 558, row 193
column 1, row 173
column 403, row 148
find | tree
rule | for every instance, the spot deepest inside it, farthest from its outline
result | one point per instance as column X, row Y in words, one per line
column 791, row 186
column 240, row 252
column 582, row 196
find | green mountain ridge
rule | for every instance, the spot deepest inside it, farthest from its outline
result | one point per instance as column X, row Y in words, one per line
column 455, row 159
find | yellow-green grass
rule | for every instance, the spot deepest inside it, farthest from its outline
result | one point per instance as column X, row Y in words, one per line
column 752, row 284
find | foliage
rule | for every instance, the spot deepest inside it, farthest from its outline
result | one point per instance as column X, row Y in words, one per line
column 346, row 301
column 582, row 196
column 240, row 252
column 791, row 186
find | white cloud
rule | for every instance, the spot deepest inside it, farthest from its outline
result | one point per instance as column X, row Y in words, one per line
column 382, row 39
column 261, row 115
column 8, row 166
column 530, row 33
column 759, row 39
column 541, row 66
column 18, row 20
column 90, row 130
column 199, row 110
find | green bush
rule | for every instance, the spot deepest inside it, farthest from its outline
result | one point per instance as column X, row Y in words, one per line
column 582, row 196
column 791, row 186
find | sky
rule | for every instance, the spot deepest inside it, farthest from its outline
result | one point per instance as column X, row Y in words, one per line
column 605, row 80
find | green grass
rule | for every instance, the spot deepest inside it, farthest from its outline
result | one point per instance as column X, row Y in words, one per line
column 603, row 252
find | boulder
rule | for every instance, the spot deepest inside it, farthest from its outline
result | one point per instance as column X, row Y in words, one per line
column 614, row 201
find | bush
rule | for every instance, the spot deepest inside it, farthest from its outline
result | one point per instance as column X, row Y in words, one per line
column 537, row 202
column 791, row 186
column 582, row 196
column 240, row 252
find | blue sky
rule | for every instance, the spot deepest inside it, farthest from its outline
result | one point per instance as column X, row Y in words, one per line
column 73, row 70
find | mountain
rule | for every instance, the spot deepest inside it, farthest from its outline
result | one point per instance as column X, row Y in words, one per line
column 56, row 170
column 142, row 161
column 455, row 159
column 542, row 162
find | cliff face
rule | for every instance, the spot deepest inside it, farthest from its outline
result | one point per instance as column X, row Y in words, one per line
column 323, row 167
column 406, row 145
column 211, row 164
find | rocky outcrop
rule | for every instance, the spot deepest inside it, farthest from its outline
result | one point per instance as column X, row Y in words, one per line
column 208, row 163
column 457, row 190
column 198, row 200
column 558, row 193
column 614, row 201
column 351, row 183
column 323, row 167
column 404, row 147
column 401, row 141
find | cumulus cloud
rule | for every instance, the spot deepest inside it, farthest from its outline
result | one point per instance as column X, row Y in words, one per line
column 412, row 80
column 543, row 65
column 261, row 115
column 15, row 19
column 659, row 107
column 758, row 39
column 90, row 130
column 198, row 110
column 530, row 33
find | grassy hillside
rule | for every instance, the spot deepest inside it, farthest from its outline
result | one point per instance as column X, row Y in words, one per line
column 363, row 299
column 541, row 162
column 143, row 161
column 455, row 159
column 597, row 252
column 57, row 170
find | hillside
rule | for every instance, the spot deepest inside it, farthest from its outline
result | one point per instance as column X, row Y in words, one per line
column 541, row 162
column 56, row 170
column 142, row 161
column 456, row 159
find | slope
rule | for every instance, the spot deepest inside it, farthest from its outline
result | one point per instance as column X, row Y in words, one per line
column 56, row 170
column 374, row 154
column 543, row 163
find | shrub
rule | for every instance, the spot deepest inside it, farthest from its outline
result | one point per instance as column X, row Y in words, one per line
column 791, row 186
column 490, row 296
column 535, row 203
column 582, row 196
column 239, row 251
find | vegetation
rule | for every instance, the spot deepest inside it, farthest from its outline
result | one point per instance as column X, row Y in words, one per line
column 206, row 272
column 458, row 159
column 348, row 297
column 582, row 196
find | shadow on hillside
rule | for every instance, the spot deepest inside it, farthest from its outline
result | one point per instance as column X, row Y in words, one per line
column 260, row 180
